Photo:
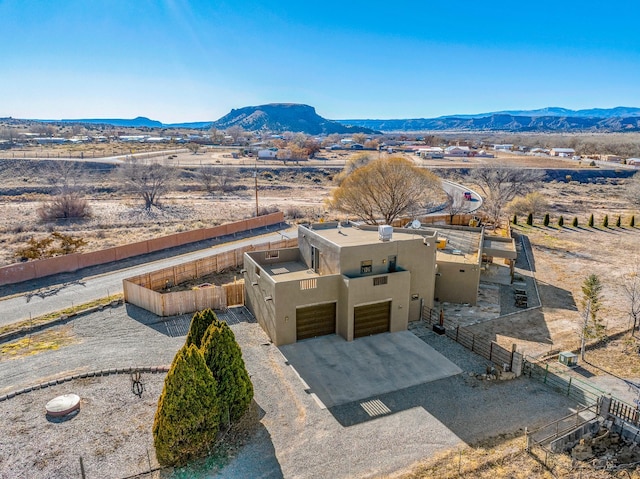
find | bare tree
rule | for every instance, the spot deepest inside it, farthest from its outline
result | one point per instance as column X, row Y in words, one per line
column 150, row 181
column 501, row 184
column 386, row 189
column 217, row 136
column 455, row 204
column 67, row 197
column 533, row 202
column 632, row 191
column 217, row 179
column 193, row 148
column 235, row 132
column 65, row 176
column 631, row 288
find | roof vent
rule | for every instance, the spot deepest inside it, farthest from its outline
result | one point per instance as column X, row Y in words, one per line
column 385, row 232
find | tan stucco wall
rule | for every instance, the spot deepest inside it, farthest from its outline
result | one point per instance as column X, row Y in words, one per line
column 457, row 282
column 255, row 295
column 289, row 296
column 362, row 292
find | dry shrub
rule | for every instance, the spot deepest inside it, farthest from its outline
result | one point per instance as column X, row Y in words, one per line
column 64, row 206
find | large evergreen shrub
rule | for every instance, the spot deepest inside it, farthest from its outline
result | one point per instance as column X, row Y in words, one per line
column 561, row 221
column 591, row 221
column 545, row 221
column 605, row 221
column 187, row 419
column 574, row 223
column 632, row 221
column 224, row 359
column 199, row 324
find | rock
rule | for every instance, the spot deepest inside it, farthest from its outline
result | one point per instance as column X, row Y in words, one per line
column 582, row 452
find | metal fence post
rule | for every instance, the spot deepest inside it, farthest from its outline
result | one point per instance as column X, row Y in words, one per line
column 546, row 371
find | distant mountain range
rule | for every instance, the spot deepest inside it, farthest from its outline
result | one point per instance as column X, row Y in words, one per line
column 505, row 122
column 279, row 117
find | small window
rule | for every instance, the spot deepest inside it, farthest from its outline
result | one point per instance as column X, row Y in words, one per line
column 366, row 267
column 257, row 270
column 272, row 254
column 380, row 280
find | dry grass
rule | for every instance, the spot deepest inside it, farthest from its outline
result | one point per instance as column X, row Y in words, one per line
column 46, row 341
column 45, row 318
column 501, row 458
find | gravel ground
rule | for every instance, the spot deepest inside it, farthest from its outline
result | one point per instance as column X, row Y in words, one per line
column 296, row 438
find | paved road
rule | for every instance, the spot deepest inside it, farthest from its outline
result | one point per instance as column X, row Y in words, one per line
column 62, row 291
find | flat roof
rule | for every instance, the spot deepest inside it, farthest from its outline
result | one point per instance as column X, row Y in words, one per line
column 289, row 271
column 349, row 235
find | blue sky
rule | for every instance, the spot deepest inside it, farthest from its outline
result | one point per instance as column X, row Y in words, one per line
column 179, row 60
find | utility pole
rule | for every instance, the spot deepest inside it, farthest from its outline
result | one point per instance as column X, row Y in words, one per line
column 583, row 342
column 255, row 178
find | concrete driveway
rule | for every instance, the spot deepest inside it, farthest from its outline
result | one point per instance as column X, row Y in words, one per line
column 338, row 372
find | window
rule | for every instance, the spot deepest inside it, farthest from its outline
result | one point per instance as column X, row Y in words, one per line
column 366, row 267
column 380, row 280
column 257, row 270
column 272, row 254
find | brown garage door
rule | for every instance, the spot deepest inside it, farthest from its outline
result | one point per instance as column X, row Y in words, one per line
column 317, row 320
column 371, row 319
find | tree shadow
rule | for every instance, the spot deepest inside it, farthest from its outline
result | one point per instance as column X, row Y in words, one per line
column 245, row 450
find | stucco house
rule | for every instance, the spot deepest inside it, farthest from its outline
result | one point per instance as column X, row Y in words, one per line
column 358, row 280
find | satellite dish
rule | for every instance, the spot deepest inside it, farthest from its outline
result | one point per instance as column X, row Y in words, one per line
column 415, row 224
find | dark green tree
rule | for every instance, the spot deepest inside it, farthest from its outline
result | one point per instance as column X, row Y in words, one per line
column 605, row 221
column 561, row 221
column 632, row 221
column 199, row 324
column 591, row 221
column 187, row 419
column 618, row 222
column 515, row 219
column 574, row 223
column 224, row 359
column 530, row 219
column 545, row 221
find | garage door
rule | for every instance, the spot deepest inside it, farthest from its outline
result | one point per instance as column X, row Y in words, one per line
column 371, row 319
column 317, row 320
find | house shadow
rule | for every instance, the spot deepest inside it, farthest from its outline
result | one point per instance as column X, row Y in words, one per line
column 172, row 326
column 557, row 298
column 470, row 408
column 527, row 325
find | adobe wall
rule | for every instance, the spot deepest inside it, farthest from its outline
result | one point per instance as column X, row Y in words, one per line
column 19, row 272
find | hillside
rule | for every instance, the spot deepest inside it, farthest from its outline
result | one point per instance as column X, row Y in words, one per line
column 286, row 117
column 506, row 122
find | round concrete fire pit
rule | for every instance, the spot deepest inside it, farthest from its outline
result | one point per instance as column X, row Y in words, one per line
column 63, row 405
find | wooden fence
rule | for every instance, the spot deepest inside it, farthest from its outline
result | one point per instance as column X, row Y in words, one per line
column 478, row 344
column 147, row 290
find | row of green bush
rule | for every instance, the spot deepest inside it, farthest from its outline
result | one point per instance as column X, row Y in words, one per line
column 575, row 222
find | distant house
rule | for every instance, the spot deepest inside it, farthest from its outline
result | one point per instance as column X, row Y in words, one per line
column 267, row 154
column 357, row 146
column 431, row 152
column 50, row 141
column 635, row 162
column 346, row 141
column 562, row 152
column 538, row 151
column 457, row 151
column 504, row 147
